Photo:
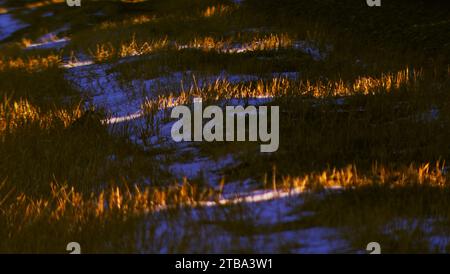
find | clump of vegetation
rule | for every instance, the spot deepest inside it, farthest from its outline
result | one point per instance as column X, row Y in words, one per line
column 360, row 127
column 404, row 209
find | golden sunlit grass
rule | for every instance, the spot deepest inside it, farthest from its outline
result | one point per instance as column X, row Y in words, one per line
column 33, row 63
column 267, row 42
column 348, row 178
column 136, row 20
column 134, row 47
column 51, row 37
column 383, row 118
column 280, row 89
column 366, row 85
column 105, row 52
column 26, row 42
column 67, row 144
column 218, row 10
column 357, row 136
column 72, row 214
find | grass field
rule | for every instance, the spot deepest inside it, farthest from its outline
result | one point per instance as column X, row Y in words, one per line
column 85, row 148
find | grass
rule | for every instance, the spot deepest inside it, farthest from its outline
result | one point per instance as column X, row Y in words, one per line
column 43, row 146
column 66, row 213
column 394, row 207
column 370, row 118
column 389, row 194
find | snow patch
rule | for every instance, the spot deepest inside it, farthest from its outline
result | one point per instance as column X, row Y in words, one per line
column 311, row 50
column 48, row 14
column 224, row 228
column 9, row 25
column 51, row 40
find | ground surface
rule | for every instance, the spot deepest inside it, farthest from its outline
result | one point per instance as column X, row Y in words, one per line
column 87, row 156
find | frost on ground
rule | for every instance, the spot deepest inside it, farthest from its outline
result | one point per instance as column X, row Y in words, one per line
column 9, row 25
column 311, row 50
